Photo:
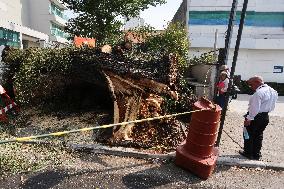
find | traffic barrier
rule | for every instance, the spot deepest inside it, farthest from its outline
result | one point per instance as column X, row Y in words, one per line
column 197, row 153
column 6, row 104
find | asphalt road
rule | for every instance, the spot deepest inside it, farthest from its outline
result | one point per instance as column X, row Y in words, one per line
column 100, row 171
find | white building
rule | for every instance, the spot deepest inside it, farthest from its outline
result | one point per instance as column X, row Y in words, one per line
column 31, row 23
column 133, row 23
column 48, row 16
column 262, row 45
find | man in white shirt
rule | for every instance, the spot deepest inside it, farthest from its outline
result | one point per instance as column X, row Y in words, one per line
column 260, row 104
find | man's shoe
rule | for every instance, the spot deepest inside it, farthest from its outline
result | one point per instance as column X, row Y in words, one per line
column 257, row 157
column 245, row 154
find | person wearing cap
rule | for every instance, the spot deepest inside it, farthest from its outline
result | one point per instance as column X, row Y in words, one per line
column 260, row 104
column 222, row 88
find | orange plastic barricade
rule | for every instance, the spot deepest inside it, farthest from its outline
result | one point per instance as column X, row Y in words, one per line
column 80, row 41
column 198, row 154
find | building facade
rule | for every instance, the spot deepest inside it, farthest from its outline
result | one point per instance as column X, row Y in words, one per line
column 48, row 16
column 133, row 23
column 262, row 45
column 31, row 23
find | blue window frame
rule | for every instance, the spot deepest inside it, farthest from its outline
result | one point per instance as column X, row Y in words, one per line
column 55, row 10
column 57, row 30
column 9, row 37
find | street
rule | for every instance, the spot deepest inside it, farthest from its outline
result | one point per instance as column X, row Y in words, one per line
column 100, row 171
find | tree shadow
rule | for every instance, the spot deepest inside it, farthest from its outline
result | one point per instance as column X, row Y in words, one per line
column 163, row 175
column 51, row 178
column 45, row 180
column 159, row 176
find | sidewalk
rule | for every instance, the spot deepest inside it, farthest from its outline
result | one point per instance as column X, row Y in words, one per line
column 273, row 142
column 231, row 141
column 240, row 105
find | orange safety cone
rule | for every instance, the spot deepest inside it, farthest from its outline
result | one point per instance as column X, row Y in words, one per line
column 198, row 154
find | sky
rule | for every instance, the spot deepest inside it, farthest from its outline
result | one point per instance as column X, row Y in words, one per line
column 159, row 16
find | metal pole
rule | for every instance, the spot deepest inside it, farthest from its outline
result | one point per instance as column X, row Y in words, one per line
column 236, row 52
column 228, row 38
column 215, row 44
column 230, row 30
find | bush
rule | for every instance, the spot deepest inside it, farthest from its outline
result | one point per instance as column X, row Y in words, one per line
column 205, row 58
column 173, row 39
column 39, row 73
column 36, row 72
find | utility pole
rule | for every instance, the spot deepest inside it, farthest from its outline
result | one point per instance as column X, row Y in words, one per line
column 236, row 52
column 228, row 38
column 215, row 44
column 230, row 31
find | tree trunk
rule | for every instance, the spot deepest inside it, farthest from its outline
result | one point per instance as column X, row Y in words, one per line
column 126, row 104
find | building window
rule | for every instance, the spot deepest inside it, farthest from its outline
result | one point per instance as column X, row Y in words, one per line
column 253, row 18
column 9, row 37
column 57, row 30
column 55, row 10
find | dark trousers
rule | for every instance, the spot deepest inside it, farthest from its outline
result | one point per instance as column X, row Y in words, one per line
column 220, row 100
column 252, row 146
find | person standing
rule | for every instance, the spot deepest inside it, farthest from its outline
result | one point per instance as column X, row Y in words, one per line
column 222, row 88
column 260, row 104
column 225, row 68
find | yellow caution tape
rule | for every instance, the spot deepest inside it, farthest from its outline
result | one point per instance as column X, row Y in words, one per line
column 96, row 127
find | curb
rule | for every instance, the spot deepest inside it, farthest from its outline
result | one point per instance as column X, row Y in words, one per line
column 131, row 152
column 249, row 163
column 119, row 151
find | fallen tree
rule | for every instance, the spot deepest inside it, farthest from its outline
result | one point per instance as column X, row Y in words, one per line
column 141, row 82
column 35, row 77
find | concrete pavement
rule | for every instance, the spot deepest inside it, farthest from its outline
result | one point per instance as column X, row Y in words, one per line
column 273, row 142
column 240, row 105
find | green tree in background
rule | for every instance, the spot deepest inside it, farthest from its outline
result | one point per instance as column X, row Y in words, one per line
column 99, row 18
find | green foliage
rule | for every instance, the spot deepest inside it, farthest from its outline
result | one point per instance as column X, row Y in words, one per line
column 99, row 19
column 39, row 74
column 173, row 39
column 244, row 87
column 33, row 70
column 144, row 32
column 205, row 58
column 185, row 101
